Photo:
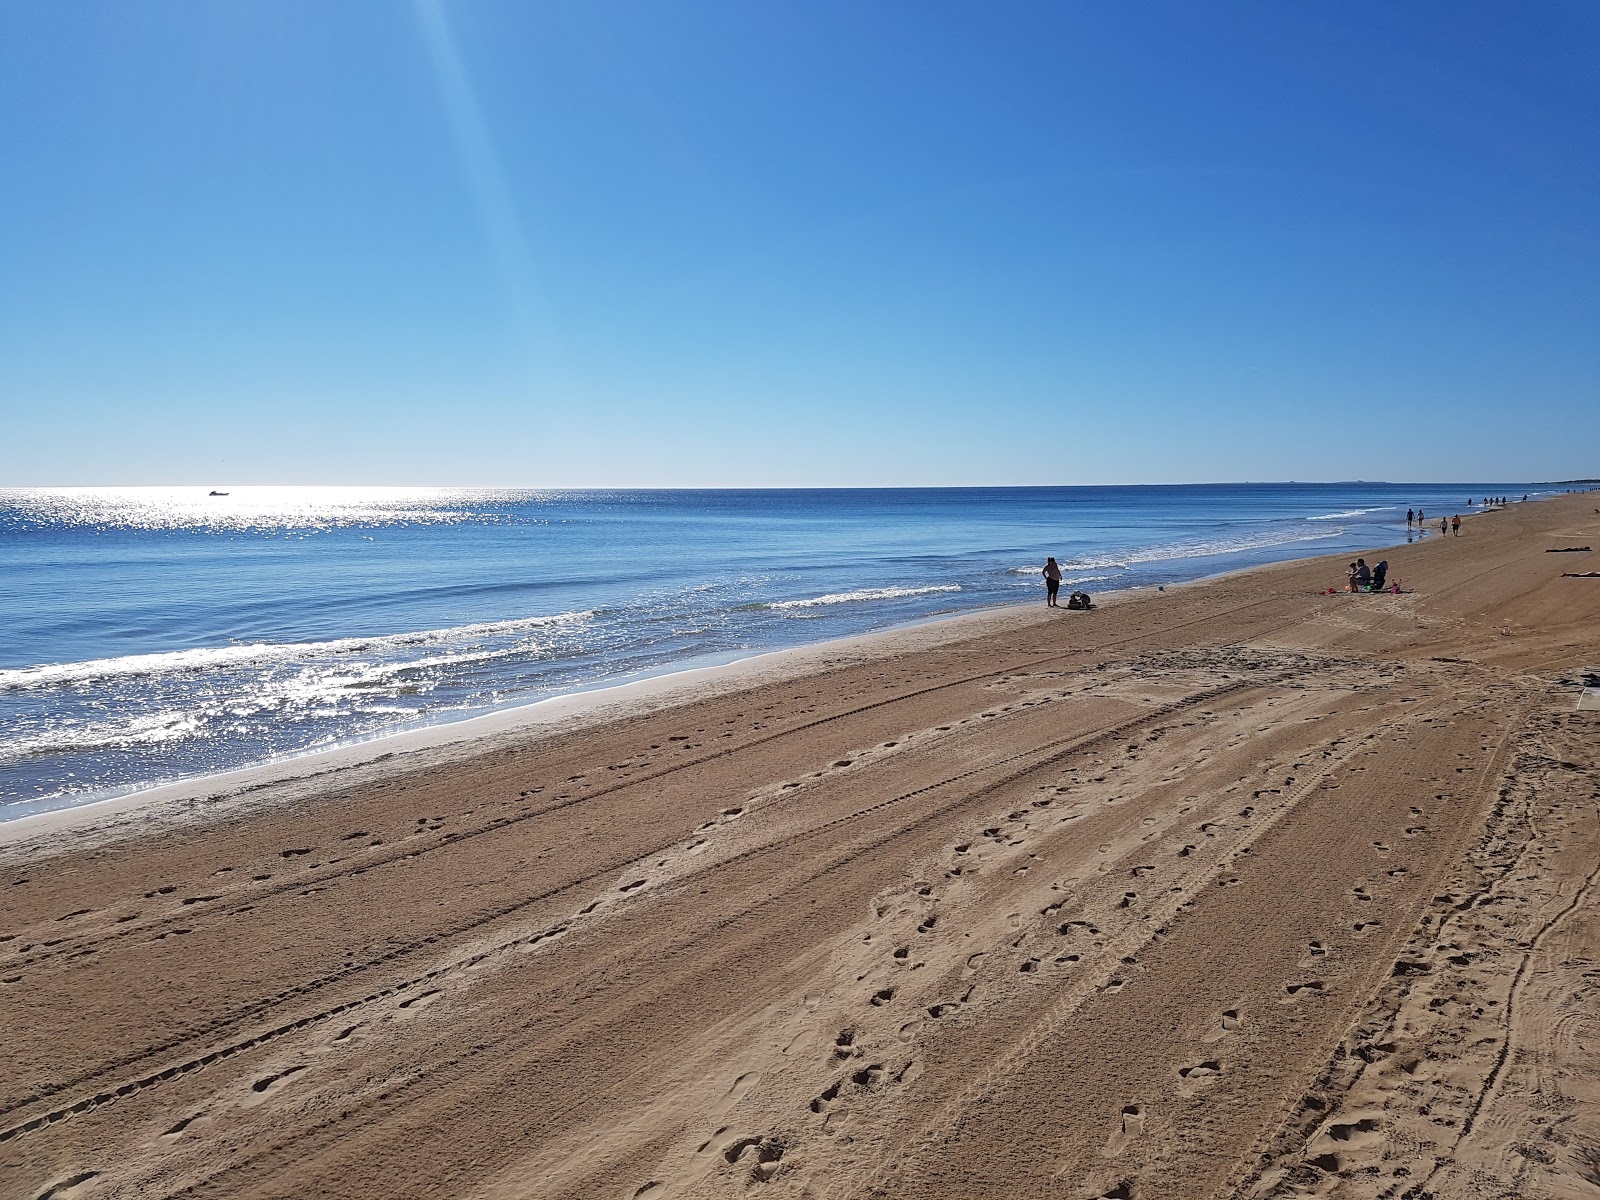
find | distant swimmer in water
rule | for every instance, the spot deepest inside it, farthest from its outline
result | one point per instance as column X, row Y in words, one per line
column 1052, row 582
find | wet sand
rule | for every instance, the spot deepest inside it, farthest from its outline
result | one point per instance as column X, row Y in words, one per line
column 1234, row 890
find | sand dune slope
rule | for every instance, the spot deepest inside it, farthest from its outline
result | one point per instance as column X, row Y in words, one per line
column 1235, row 890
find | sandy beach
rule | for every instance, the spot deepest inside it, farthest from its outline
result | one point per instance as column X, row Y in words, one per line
column 1235, row 890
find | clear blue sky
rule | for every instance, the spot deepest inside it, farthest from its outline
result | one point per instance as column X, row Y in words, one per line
column 803, row 243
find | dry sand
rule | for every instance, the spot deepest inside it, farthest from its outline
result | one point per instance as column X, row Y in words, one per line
column 1235, row 890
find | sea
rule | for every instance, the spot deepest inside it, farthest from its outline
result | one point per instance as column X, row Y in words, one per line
column 154, row 634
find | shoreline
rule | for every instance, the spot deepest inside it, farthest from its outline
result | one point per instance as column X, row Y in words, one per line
column 451, row 740
column 594, row 705
column 100, row 754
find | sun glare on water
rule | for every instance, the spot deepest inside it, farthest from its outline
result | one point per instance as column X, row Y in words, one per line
column 254, row 507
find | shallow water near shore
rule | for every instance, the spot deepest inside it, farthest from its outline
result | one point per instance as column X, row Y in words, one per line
column 154, row 634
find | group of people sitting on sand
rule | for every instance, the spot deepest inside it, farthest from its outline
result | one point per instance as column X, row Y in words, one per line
column 1363, row 578
column 1052, row 586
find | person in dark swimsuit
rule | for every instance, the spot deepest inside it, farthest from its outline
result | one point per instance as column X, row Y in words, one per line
column 1052, row 582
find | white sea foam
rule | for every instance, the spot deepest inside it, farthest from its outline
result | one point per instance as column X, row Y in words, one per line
column 1354, row 512
column 1035, row 571
column 1201, row 549
column 207, row 658
column 892, row 593
column 148, row 729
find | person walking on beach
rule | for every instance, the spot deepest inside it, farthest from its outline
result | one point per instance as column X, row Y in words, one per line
column 1052, row 582
column 1455, row 524
column 1444, row 526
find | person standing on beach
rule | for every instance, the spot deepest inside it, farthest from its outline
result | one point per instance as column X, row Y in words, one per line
column 1409, row 517
column 1455, row 524
column 1052, row 582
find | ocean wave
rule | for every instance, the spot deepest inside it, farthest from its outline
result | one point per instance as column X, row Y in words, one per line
column 1035, row 571
column 1354, row 512
column 1207, row 549
column 173, row 662
column 146, row 730
column 864, row 594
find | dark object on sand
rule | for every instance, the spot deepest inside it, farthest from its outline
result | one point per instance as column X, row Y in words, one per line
column 1569, row 550
column 1079, row 600
column 1580, row 574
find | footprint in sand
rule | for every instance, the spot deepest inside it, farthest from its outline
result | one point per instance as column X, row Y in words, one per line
column 71, row 1188
column 1128, row 1130
column 1230, row 1022
column 761, row 1155
column 1302, row 989
column 744, row 1083
column 718, row 1141
column 418, row 1002
column 342, row 1038
column 824, row 1101
column 868, row 1076
column 267, row 1086
column 192, row 1124
column 1350, row 1134
column 1197, row 1075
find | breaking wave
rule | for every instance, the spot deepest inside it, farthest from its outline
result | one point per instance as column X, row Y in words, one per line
column 261, row 654
column 864, row 594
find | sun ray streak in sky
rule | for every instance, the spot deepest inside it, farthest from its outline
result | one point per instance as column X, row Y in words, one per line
column 485, row 177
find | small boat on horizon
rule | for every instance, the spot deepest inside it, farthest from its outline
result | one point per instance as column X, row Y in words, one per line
column 215, row 493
